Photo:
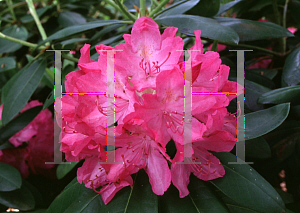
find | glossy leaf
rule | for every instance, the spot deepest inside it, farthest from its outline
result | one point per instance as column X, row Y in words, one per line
column 252, row 92
column 21, row 89
column 178, row 7
column 15, row 32
column 207, row 8
column 10, row 178
column 269, row 73
column 21, row 199
column 249, row 30
column 236, row 207
column 291, row 69
column 210, row 28
column 73, row 40
column 77, row 198
column 7, row 63
column 18, row 123
column 68, row 18
column 227, row 6
column 286, row 197
column 281, row 95
column 49, row 101
column 63, row 169
column 257, row 148
column 80, row 28
column 261, row 122
column 201, row 199
column 245, row 186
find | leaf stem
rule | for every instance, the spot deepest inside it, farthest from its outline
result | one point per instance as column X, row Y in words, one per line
column 284, row 23
column 215, row 46
column 158, row 8
column 143, row 7
column 277, row 15
column 13, row 6
column 252, row 47
column 25, row 43
column 124, row 10
column 155, row 2
column 10, row 7
column 36, row 19
column 69, row 58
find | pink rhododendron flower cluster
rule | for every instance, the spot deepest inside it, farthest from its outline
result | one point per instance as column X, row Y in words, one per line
column 33, row 145
column 149, row 110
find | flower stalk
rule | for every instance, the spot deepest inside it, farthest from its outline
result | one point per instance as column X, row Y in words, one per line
column 158, row 8
column 25, row 43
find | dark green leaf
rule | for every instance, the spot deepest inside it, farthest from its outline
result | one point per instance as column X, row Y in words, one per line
column 269, row 73
column 210, row 28
column 6, row 145
column 72, row 30
column 21, row 90
column 10, row 178
column 249, row 30
column 245, row 186
column 252, row 92
column 281, row 95
column 227, row 6
column 257, row 148
column 207, row 8
column 15, row 32
column 286, row 197
column 263, row 121
column 178, row 7
column 68, row 18
column 291, row 69
column 63, row 169
column 73, row 40
column 21, row 199
column 28, row 18
column 49, row 100
column 7, row 63
column 18, row 123
column 294, row 7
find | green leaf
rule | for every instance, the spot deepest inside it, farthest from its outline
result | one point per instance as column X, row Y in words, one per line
column 80, row 28
column 21, row 199
column 18, row 123
column 257, row 148
column 245, row 186
column 71, row 192
column 227, row 6
column 49, row 100
column 63, row 169
column 68, row 18
column 10, row 178
column 286, row 197
column 269, row 73
column 41, row 11
column 77, row 198
column 207, row 8
column 15, row 32
column 73, row 40
column 281, row 95
column 21, row 89
column 263, row 121
column 252, row 92
column 7, row 63
column 201, row 199
column 178, row 8
column 291, row 69
column 249, row 30
column 210, row 28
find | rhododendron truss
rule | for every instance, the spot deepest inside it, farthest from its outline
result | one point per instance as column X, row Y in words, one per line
column 149, row 106
column 33, row 145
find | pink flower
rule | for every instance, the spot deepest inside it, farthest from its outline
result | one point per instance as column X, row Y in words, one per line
column 149, row 106
column 292, row 29
column 34, row 145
